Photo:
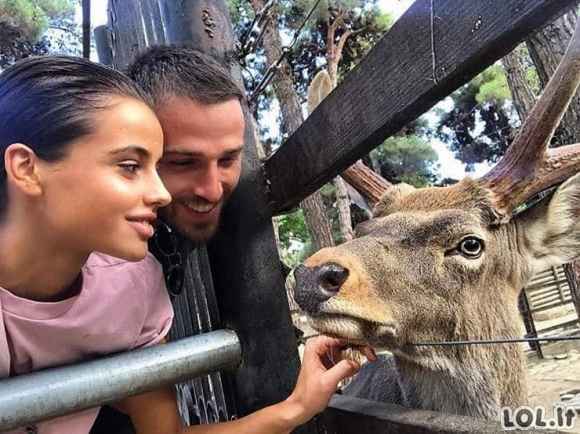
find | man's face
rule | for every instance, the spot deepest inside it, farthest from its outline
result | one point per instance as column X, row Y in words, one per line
column 201, row 162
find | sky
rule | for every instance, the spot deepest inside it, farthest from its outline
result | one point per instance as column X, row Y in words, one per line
column 449, row 166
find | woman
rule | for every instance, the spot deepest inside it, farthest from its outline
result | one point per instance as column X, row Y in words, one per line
column 80, row 145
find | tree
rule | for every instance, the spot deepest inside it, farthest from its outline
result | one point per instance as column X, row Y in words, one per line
column 23, row 24
column 518, row 81
column 406, row 159
column 339, row 22
column 313, row 206
column 328, row 32
column 478, row 128
column 546, row 48
column 340, row 34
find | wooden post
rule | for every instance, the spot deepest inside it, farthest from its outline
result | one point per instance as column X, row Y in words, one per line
column 128, row 34
column 86, row 6
column 103, row 44
column 572, row 271
column 246, row 269
column 528, row 318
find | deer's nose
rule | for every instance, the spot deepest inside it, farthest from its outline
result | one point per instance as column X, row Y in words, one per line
column 315, row 285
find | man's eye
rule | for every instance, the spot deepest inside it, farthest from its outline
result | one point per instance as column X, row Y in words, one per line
column 179, row 163
column 228, row 160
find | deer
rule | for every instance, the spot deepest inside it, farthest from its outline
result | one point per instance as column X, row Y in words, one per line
column 443, row 264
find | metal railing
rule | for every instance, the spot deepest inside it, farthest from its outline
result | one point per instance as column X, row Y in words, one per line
column 54, row 392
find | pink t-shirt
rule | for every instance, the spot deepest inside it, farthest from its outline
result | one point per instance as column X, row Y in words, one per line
column 122, row 305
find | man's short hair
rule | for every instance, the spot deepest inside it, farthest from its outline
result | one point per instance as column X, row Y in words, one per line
column 168, row 71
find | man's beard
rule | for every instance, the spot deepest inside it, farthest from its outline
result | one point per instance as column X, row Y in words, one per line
column 199, row 233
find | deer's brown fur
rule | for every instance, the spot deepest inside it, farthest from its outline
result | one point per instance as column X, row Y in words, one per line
column 409, row 277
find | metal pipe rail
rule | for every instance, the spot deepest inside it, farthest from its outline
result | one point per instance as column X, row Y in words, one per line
column 54, row 392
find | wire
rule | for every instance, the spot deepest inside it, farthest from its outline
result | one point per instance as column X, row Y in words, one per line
column 495, row 341
column 285, row 51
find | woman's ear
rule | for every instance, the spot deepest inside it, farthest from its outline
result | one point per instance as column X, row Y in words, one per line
column 22, row 169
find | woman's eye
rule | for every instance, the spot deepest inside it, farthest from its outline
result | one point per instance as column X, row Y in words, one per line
column 470, row 247
column 129, row 167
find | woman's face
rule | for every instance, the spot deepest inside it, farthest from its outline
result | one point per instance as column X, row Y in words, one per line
column 104, row 195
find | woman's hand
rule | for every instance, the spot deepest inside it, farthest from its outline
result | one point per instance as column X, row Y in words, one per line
column 323, row 367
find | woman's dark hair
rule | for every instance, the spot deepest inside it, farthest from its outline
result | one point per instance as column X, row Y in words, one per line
column 47, row 102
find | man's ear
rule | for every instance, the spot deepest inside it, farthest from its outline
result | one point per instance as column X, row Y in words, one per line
column 552, row 228
column 22, row 169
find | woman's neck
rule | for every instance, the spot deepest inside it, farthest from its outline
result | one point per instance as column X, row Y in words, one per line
column 36, row 265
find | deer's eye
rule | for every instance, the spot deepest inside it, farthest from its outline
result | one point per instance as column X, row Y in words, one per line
column 470, row 247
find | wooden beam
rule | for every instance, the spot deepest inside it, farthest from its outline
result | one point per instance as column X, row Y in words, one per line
column 433, row 49
column 347, row 414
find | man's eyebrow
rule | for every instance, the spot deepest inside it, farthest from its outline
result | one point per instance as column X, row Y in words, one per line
column 234, row 151
column 178, row 152
column 144, row 153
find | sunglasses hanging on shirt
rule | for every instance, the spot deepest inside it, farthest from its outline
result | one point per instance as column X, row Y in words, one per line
column 167, row 245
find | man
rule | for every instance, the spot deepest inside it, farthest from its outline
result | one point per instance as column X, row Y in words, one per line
column 199, row 106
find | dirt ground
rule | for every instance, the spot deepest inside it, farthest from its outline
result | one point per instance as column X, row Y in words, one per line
column 556, row 378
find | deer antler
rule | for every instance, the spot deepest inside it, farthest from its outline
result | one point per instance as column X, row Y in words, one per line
column 528, row 167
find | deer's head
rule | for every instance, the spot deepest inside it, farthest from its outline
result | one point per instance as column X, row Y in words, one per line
column 432, row 261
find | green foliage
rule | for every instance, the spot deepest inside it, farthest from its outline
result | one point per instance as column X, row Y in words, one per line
column 478, row 127
column 492, row 86
column 22, row 23
column 406, row 159
column 309, row 53
column 31, row 16
column 362, row 16
column 291, row 226
column 293, row 258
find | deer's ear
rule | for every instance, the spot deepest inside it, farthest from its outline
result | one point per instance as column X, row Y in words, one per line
column 387, row 202
column 553, row 230
column 365, row 227
column 384, row 207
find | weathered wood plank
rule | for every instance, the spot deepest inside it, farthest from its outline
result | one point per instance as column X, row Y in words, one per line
column 128, row 34
column 433, row 49
column 103, row 45
column 347, row 414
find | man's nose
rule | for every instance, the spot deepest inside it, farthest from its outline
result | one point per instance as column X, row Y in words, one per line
column 209, row 185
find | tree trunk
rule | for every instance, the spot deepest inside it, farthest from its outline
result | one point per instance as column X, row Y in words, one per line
column 522, row 93
column 343, row 208
column 313, row 206
column 547, row 48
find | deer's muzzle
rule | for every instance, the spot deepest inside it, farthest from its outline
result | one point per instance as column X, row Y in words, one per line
column 315, row 285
